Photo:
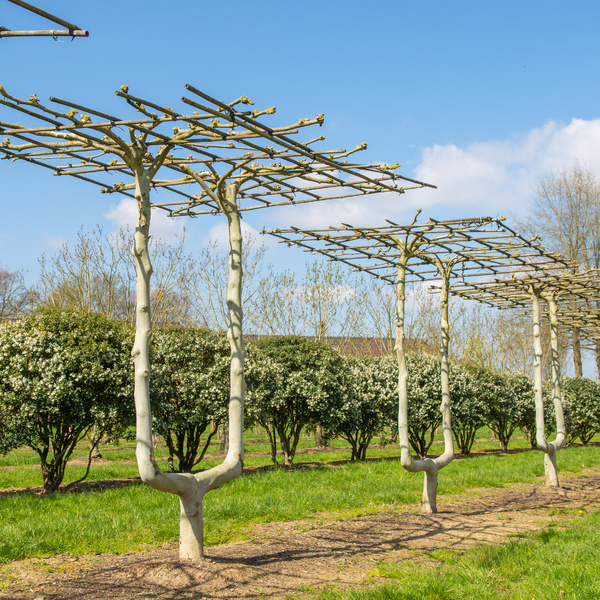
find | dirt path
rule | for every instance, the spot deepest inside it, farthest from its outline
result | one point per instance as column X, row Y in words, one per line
column 294, row 559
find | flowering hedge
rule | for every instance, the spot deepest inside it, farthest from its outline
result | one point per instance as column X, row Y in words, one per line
column 61, row 373
column 293, row 382
column 469, row 409
column 369, row 405
column 582, row 408
column 189, row 390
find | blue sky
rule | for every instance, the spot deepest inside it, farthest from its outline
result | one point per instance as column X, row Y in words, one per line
column 479, row 98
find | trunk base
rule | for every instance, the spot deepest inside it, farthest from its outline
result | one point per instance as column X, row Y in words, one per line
column 430, row 483
column 191, row 528
column 551, row 469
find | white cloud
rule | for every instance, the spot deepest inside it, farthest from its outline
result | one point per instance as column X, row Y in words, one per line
column 482, row 179
column 499, row 176
column 124, row 214
column 323, row 214
column 219, row 234
column 51, row 241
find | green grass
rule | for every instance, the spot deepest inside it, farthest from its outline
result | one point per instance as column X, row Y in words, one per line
column 118, row 520
column 555, row 563
column 135, row 516
column 31, row 476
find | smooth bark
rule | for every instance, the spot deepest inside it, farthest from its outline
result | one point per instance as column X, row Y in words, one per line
column 430, row 466
column 191, row 488
column 549, row 448
column 577, row 362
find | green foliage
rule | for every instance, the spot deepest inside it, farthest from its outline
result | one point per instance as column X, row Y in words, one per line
column 189, row 390
column 424, row 400
column 468, row 407
column 293, row 382
column 123, row 519
column 135, row 516
column 370, row 404
column 509, row 401
column 62, row 372
column 554, row 563
column 581, row 400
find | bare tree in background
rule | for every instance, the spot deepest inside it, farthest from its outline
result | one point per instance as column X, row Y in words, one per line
column 565, row 211
column 324, row 303
column 16, row 299
column 329, row 299
column 421, row 316
column 96, row 273
column 500, row 339
column 379, row 304
column 207, row 279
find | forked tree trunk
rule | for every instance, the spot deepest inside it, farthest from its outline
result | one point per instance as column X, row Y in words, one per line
column 191, row 488
column 549, row 448
column 430, row 466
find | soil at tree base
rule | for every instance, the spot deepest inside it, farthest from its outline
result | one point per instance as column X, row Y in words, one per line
column 299, row 558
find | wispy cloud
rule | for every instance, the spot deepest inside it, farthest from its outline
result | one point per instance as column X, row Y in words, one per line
column 52, row 241
column 484, row 178
column 499, row 176
column 124, row 214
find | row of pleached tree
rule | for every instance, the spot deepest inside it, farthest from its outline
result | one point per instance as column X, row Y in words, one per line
column 95, row 273
column 67, row 374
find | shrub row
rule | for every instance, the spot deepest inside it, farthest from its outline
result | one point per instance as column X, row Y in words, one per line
column 63, row 373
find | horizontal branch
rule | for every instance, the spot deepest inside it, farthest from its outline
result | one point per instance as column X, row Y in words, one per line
column 53, row 33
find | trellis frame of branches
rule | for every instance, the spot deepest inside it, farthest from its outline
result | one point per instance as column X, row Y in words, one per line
column 563, row 296
column 72, row 30
column 459, row 249
column 218, row 157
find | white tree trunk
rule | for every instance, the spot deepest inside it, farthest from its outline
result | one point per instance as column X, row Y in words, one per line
column 430, row 466
column 448, row 455
column 549, row 448
column 190, row 488
column 191, row 536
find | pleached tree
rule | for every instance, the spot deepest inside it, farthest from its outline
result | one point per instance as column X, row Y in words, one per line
column 442, row 251
column 233, row 162
column 561, row 296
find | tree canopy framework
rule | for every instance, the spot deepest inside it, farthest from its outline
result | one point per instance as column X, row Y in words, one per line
column 234, row 163
column 564, row 297
column 455, row 250
column 575, row 294
column 217, row 140
column 72, row 30
column 482, row 246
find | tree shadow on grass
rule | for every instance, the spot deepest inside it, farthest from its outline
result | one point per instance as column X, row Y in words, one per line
column 286, row 558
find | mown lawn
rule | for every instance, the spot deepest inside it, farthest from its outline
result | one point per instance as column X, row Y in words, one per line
column 134, row 516
column 553, row 564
